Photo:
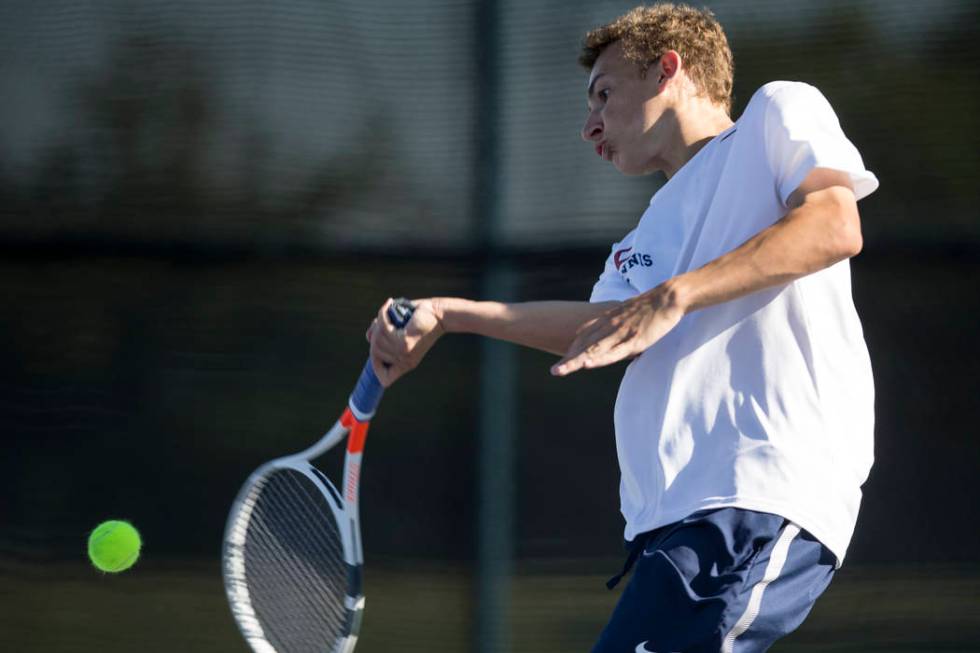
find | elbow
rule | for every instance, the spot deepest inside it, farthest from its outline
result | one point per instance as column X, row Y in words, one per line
column 850, row 240
column 845, row 226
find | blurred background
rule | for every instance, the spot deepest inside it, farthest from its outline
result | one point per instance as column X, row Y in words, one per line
column 202, row 205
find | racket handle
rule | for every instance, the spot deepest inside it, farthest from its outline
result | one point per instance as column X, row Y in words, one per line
column 367, row 393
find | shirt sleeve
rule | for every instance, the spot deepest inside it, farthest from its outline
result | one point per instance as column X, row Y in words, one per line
column 802, row 133
column 612, row 286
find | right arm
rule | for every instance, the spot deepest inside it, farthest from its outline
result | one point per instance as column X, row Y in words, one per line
column 549, row 326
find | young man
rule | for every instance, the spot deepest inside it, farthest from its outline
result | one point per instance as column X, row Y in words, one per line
column 744, row 421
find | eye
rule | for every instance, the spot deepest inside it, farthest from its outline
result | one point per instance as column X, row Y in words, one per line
column 603, row 94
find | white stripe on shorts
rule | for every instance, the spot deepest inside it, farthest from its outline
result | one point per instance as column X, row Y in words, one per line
column 776, row 561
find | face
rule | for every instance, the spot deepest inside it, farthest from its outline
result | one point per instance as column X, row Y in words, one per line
column 625, row 109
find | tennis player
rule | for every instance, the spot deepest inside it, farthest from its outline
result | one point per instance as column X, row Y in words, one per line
column 744, row 419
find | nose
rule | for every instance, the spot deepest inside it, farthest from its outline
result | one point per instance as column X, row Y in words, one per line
column 592, row 130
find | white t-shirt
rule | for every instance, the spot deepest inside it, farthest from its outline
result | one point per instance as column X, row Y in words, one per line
column 764, row 402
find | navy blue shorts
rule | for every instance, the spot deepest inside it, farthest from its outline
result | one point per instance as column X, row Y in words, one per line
column 728, row 580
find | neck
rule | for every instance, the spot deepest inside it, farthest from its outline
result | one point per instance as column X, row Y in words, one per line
column 697, row 123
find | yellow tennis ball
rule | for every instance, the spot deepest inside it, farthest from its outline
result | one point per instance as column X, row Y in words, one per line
column 114, row 546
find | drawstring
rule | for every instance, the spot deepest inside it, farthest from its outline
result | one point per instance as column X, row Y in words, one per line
column 635, row 547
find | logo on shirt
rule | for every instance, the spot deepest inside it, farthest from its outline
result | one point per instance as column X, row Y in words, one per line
column 625, row 261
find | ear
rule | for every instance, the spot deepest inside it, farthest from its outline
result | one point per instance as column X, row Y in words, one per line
column 668, row 66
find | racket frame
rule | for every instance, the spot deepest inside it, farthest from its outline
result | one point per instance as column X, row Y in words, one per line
column 345, row 505
column 345, row 509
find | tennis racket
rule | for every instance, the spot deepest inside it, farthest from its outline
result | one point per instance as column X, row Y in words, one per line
column 292, row 553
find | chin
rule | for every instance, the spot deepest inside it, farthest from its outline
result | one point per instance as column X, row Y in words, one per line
column 631, row 171
column 628, row 168
column 640, row 170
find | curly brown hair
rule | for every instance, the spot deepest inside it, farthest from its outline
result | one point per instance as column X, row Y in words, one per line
column 646, row 33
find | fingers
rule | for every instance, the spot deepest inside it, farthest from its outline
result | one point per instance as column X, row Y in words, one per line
column 587, row 337
column 577, row 357
column 600, row 356
column 603, row 343
column 394, row 351
column 384, row 359
column 387, row 373
column 570, row 364
column 381, row 333
column 381, row 370
column 382, row 319
column 385, row 351
column 389, row 350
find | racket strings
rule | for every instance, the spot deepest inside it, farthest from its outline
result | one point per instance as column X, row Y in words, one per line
column 305, row 585
column 300, row 574
column 295, row 575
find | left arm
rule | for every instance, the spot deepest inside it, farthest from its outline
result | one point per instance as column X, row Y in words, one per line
column 821, row 228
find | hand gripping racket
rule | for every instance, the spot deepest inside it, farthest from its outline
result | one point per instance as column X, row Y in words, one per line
column 292, row 550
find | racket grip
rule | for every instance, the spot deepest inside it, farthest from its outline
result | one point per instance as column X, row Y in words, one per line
column 367, row 393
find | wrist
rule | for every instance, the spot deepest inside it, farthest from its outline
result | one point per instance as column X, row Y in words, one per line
column 441, row 311
column 676, row 294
